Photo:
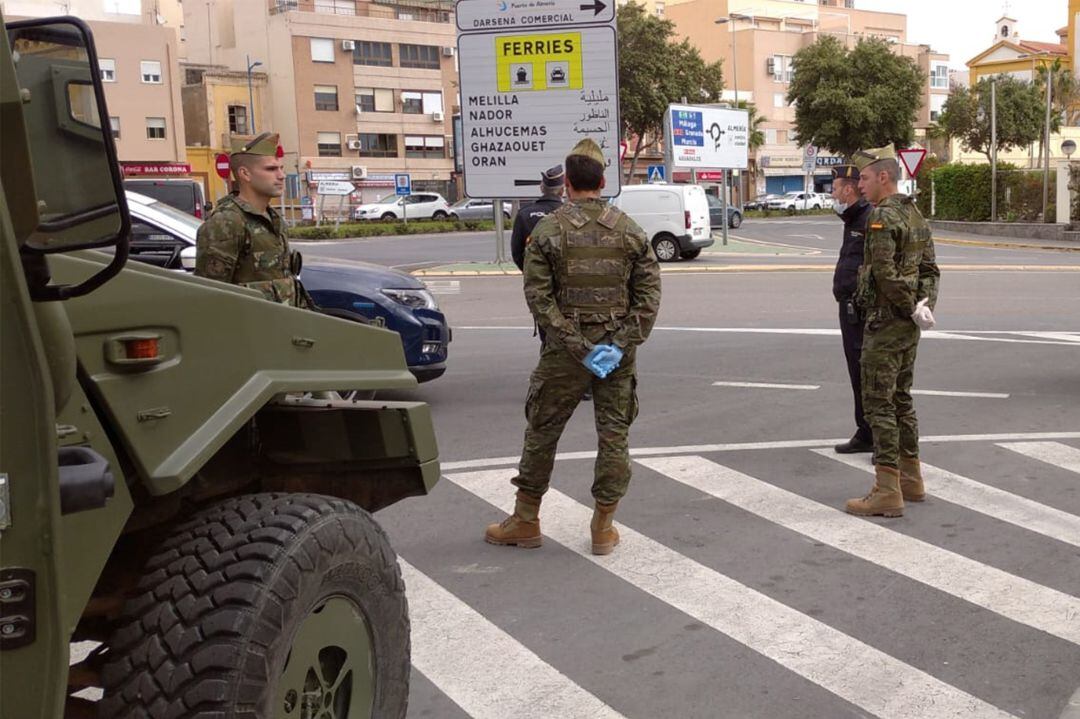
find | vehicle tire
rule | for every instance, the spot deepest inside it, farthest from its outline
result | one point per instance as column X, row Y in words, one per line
column 736, row 220
column 817, row 207
column 666, row 247
column 388, row 217
column 690, row 254
column 791, row 209
column 454, row 217
column 438, row 215
column 245, row 612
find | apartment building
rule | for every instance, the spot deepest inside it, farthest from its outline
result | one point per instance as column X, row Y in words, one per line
column 757, row 44
column 138, row 53
column 358, row 89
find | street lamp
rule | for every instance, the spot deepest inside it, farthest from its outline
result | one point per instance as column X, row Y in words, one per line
column 251, row 94
column 735, row 79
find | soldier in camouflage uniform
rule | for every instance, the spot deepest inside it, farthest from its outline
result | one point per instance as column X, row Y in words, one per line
column 898, row 288
column 593, row 284
column 243, row 241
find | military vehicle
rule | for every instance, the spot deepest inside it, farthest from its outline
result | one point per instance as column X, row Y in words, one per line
column 169, row 489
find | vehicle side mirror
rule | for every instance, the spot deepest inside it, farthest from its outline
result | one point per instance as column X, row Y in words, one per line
column 75, row 175
column 187, row 258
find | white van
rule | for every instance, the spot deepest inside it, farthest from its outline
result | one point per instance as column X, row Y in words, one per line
column 675, row 218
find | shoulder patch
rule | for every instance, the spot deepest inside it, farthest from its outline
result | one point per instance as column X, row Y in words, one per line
column 575, row 215
column 609, row 218
column 877, row 225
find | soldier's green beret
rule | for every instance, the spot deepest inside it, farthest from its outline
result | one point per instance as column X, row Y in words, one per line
column 865, row 158
column 588, row 148
column 848, row 171
column 264, row 144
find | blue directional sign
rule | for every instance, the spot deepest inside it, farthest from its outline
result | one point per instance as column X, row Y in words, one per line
column 402, row 184
column 656, row 173
column 687, row 128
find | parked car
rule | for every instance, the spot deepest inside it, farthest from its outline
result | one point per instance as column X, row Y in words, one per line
column 476, row 210
column 826, row 200
column 419, row 206
column 716, row 214
column 165, row 237
column 183, row 193
column 674, row 217
column 796, row 201
column 760, row 202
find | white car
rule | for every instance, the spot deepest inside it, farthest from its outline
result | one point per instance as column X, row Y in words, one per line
column 418, row 206
column 797, row 201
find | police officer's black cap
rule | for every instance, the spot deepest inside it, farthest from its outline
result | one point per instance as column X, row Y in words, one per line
column 553, row 176
column 845, row 171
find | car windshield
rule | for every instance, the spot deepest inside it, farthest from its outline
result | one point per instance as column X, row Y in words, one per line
column 462, row 203
column 388, row 200
column 188, row 221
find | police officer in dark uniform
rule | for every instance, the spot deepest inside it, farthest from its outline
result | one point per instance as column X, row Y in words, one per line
column 853, row 209
column 551, row 188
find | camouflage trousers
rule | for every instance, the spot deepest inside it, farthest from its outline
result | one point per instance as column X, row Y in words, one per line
column 555, row 389
column 888, row 368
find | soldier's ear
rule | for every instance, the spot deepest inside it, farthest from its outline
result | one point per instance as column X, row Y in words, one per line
column 603, row 182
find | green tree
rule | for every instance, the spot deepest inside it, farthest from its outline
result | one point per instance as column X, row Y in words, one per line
column 655, row 71
column 1065, row 93
column 850, row 99
column 756, row 137
column 1020, row 115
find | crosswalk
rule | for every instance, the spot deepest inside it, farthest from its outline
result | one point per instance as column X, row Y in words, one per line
column 989, row 634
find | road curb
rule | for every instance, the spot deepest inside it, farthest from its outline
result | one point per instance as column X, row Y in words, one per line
column 1006, row 245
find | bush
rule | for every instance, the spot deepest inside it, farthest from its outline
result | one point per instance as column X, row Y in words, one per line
column 963, row 194
column 382, row 229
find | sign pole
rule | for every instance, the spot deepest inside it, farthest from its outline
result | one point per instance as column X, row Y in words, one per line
column 723, row 205
column 500, row 232
column 318, row 215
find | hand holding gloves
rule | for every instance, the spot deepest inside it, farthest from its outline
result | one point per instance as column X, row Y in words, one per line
column 602, row 360
column 922, row 316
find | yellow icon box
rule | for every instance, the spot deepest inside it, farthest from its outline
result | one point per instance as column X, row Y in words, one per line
column 539, row 62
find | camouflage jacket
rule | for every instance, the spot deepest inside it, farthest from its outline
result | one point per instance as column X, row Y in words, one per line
column 241, row 246
column 589, row 263
column 899, row 268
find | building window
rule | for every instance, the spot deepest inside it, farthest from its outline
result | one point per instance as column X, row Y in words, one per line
column 322, row 49
column 939, row 76
column 375, row 99
column 378, row 145
column 780, row 67
column 372, row 53
column 779, row 99
column 151, row 72
column 770, row 136
column 326, row 97
column 336, row 7
column 422, row 56
column 108, row 69
column 660, row 8
column 415, row 102
column 238, row 119
column 114, row 124
column 329, row 144
column 426, row 147
column 155, row 128
column 937, row 103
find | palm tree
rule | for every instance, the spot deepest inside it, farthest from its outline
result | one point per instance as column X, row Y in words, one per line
column 756, row 135
column 1065, row 91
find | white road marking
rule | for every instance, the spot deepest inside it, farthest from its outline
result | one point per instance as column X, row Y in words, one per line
column 1055, row 453
column 766, row 385
column 751, row 446
column 985, row 499
column 860, row 674
column 943, row 393
column 1010, row 596
column 1064, row 336
column 443, row 287
column 483, row 669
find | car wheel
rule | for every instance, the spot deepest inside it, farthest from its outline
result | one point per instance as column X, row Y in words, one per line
column 265, row 605
column 438, row 215
column 388, row 217
column 791, row 209
column 690, row 254
column 454, row 216
column 666, row 247
column 736, row 220
column 817, row 207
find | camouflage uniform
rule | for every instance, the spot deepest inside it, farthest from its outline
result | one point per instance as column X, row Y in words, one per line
column 590, row 278
column 242, row 246
column 898, row 271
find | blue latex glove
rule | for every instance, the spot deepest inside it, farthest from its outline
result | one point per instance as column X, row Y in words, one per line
column 603, row 360
column 592, row 360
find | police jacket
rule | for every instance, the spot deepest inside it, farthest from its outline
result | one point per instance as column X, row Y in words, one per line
column 846, row 276
column 525, row 223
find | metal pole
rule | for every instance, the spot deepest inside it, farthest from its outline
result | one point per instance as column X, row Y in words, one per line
column 500, row 233
column 993, row 150
column 735, row 81
column 209, row 36
column 723, row 205
column 1046, row 144
column 251, row 96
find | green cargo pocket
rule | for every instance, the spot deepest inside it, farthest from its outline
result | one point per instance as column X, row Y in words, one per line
column 532, row 399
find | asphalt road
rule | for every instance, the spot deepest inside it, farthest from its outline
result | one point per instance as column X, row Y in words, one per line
column 740, row 588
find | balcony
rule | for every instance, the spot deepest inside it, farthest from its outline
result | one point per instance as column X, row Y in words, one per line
column 439, row 13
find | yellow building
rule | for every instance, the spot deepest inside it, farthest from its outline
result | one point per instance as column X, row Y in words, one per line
column 1014, row 56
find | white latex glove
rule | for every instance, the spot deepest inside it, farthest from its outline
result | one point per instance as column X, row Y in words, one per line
column 923, row 317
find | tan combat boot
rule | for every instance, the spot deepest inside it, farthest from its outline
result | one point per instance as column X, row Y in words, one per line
column 884, row 499
column 522, row 528
column 604, row 534
column 911, row 482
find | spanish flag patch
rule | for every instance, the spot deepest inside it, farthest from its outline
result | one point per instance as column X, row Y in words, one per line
column 877, row 226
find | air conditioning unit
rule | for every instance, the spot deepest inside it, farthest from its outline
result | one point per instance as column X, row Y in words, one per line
column 359, row 172
column 352, row 144
column 348, row 45
column 448, row 52
column 770, row 66
column 437, row 116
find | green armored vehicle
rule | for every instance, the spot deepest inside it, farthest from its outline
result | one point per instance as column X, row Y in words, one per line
column 168, row 492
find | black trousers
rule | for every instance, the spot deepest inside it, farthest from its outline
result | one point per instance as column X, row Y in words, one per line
column 852, row 335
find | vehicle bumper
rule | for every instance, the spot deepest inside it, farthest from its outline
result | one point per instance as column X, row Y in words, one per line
column 428, row 372
column 689, row 242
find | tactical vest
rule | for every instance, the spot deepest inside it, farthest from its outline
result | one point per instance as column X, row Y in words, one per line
column 265, row 262
column 911, row 242
column 593, row 275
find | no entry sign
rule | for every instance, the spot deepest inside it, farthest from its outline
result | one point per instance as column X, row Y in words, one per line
column 221, row 164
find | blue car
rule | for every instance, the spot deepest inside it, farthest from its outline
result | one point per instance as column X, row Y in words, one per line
column 164, row 236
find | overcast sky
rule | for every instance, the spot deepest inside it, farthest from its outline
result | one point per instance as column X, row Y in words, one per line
column 964, row 28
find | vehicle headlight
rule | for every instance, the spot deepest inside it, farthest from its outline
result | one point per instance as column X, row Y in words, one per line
column 416, row 299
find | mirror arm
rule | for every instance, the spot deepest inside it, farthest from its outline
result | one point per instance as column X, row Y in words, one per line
column 54, row 293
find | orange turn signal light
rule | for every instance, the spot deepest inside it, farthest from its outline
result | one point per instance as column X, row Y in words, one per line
column 146, row 348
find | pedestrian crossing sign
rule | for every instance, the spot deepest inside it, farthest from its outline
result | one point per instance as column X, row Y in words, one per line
column 656, row 173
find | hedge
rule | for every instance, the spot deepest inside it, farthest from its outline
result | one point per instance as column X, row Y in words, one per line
column 962, row 193
column 326, row 231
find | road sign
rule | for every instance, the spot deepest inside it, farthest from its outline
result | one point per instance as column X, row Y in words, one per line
column 809, row 158
column 402, row 184
column 517, row 15
column 336, row 187
column 708, row 137
column 221, row 164
column 912, row 159
column 656, row 173
column 535, row 80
